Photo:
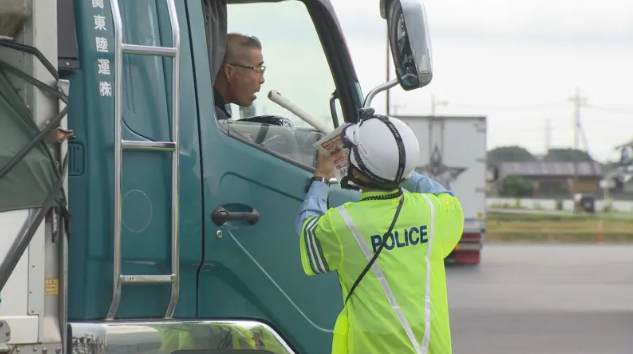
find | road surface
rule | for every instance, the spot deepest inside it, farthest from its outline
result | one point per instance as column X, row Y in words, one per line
column 544, row 299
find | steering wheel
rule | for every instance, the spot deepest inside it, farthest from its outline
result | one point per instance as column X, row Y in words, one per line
column 270, row 119
column 267, row 121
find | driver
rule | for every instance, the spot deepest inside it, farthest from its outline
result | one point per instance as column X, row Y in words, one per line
column 241, row 74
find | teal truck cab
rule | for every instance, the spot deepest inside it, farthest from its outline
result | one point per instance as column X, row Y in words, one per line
column 132, row 220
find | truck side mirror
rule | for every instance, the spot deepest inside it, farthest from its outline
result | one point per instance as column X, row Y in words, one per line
column 410, row 43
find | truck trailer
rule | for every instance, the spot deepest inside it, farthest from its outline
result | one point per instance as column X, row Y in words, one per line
column 131, row 219
column 453, row 153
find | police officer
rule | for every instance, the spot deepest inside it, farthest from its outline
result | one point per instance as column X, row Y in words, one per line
column 388, row 248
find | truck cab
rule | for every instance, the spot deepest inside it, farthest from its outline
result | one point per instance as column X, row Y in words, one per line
column 140, row 222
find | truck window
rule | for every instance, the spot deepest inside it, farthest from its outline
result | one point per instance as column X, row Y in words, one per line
column 296, row 67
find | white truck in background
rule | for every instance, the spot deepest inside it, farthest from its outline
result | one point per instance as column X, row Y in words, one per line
column 453, row 153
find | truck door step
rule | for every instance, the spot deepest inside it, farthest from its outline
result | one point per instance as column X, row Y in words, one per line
column 148, row 145
column 148, row 279
column 149, row 50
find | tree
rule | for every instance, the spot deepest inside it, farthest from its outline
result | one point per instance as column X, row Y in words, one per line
column 567, row 155
column 515, row 186
column 509, row 154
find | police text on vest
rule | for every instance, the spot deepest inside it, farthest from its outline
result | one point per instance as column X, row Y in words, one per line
column 404, row 238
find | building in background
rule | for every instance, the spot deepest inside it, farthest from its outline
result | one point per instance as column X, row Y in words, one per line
column 552, row 179
column 620, row 177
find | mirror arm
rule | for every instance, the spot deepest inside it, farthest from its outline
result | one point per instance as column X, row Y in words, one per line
column 382, row 87
column 377, row 90
column 333, row 99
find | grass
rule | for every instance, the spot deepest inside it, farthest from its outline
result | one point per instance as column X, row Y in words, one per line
column 581, row 228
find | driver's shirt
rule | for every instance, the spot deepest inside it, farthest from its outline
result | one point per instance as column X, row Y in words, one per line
column 401, row 305
column 221, row 108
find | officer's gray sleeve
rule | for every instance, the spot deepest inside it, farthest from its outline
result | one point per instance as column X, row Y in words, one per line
column 449, row 216
column 419, row 183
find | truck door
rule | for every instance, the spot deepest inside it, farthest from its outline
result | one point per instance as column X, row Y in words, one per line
column 254, row 271
column 146, row 193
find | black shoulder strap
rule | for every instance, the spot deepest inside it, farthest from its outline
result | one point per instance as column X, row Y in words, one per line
column 382, row 244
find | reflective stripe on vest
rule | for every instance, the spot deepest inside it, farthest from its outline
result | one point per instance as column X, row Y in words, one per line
column 424, row 346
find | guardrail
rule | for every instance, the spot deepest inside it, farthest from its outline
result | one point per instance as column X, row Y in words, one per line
column 624, row 206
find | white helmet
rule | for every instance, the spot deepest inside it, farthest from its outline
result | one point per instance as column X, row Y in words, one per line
column 384, row 149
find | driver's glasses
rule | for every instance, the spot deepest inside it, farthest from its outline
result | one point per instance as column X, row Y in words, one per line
column 257, row 69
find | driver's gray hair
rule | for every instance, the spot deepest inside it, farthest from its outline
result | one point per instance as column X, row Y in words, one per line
column 236, row 44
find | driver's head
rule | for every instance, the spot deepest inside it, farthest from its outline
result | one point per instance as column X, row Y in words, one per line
column 243, row 69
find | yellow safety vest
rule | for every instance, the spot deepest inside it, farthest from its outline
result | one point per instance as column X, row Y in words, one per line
column 401, row 304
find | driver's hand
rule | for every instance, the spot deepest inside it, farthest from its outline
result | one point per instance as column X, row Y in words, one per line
column 325, row 165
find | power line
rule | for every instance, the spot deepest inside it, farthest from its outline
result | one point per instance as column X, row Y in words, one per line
column 534, row 106
column 611, row 110
column 543, row 105
column 435, row 103
column 527, row 107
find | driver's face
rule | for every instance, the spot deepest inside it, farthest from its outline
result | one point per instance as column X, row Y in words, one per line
column 247, row 78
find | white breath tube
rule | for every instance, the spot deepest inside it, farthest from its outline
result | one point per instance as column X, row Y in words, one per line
column 276, row 97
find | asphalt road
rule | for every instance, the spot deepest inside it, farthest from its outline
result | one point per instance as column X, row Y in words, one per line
column 544, row 299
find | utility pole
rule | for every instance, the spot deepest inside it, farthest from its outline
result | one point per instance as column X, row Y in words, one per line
column 387, row 58
column 548, row 136
column 435, row 103
column 396, row 107
column 578, row 101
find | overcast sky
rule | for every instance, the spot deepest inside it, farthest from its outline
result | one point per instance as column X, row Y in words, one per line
column 517, row 62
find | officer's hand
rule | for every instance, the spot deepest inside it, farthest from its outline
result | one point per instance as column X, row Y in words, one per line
column 325, row 165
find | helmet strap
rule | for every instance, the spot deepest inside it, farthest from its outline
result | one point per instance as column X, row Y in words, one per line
column 350, row 177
